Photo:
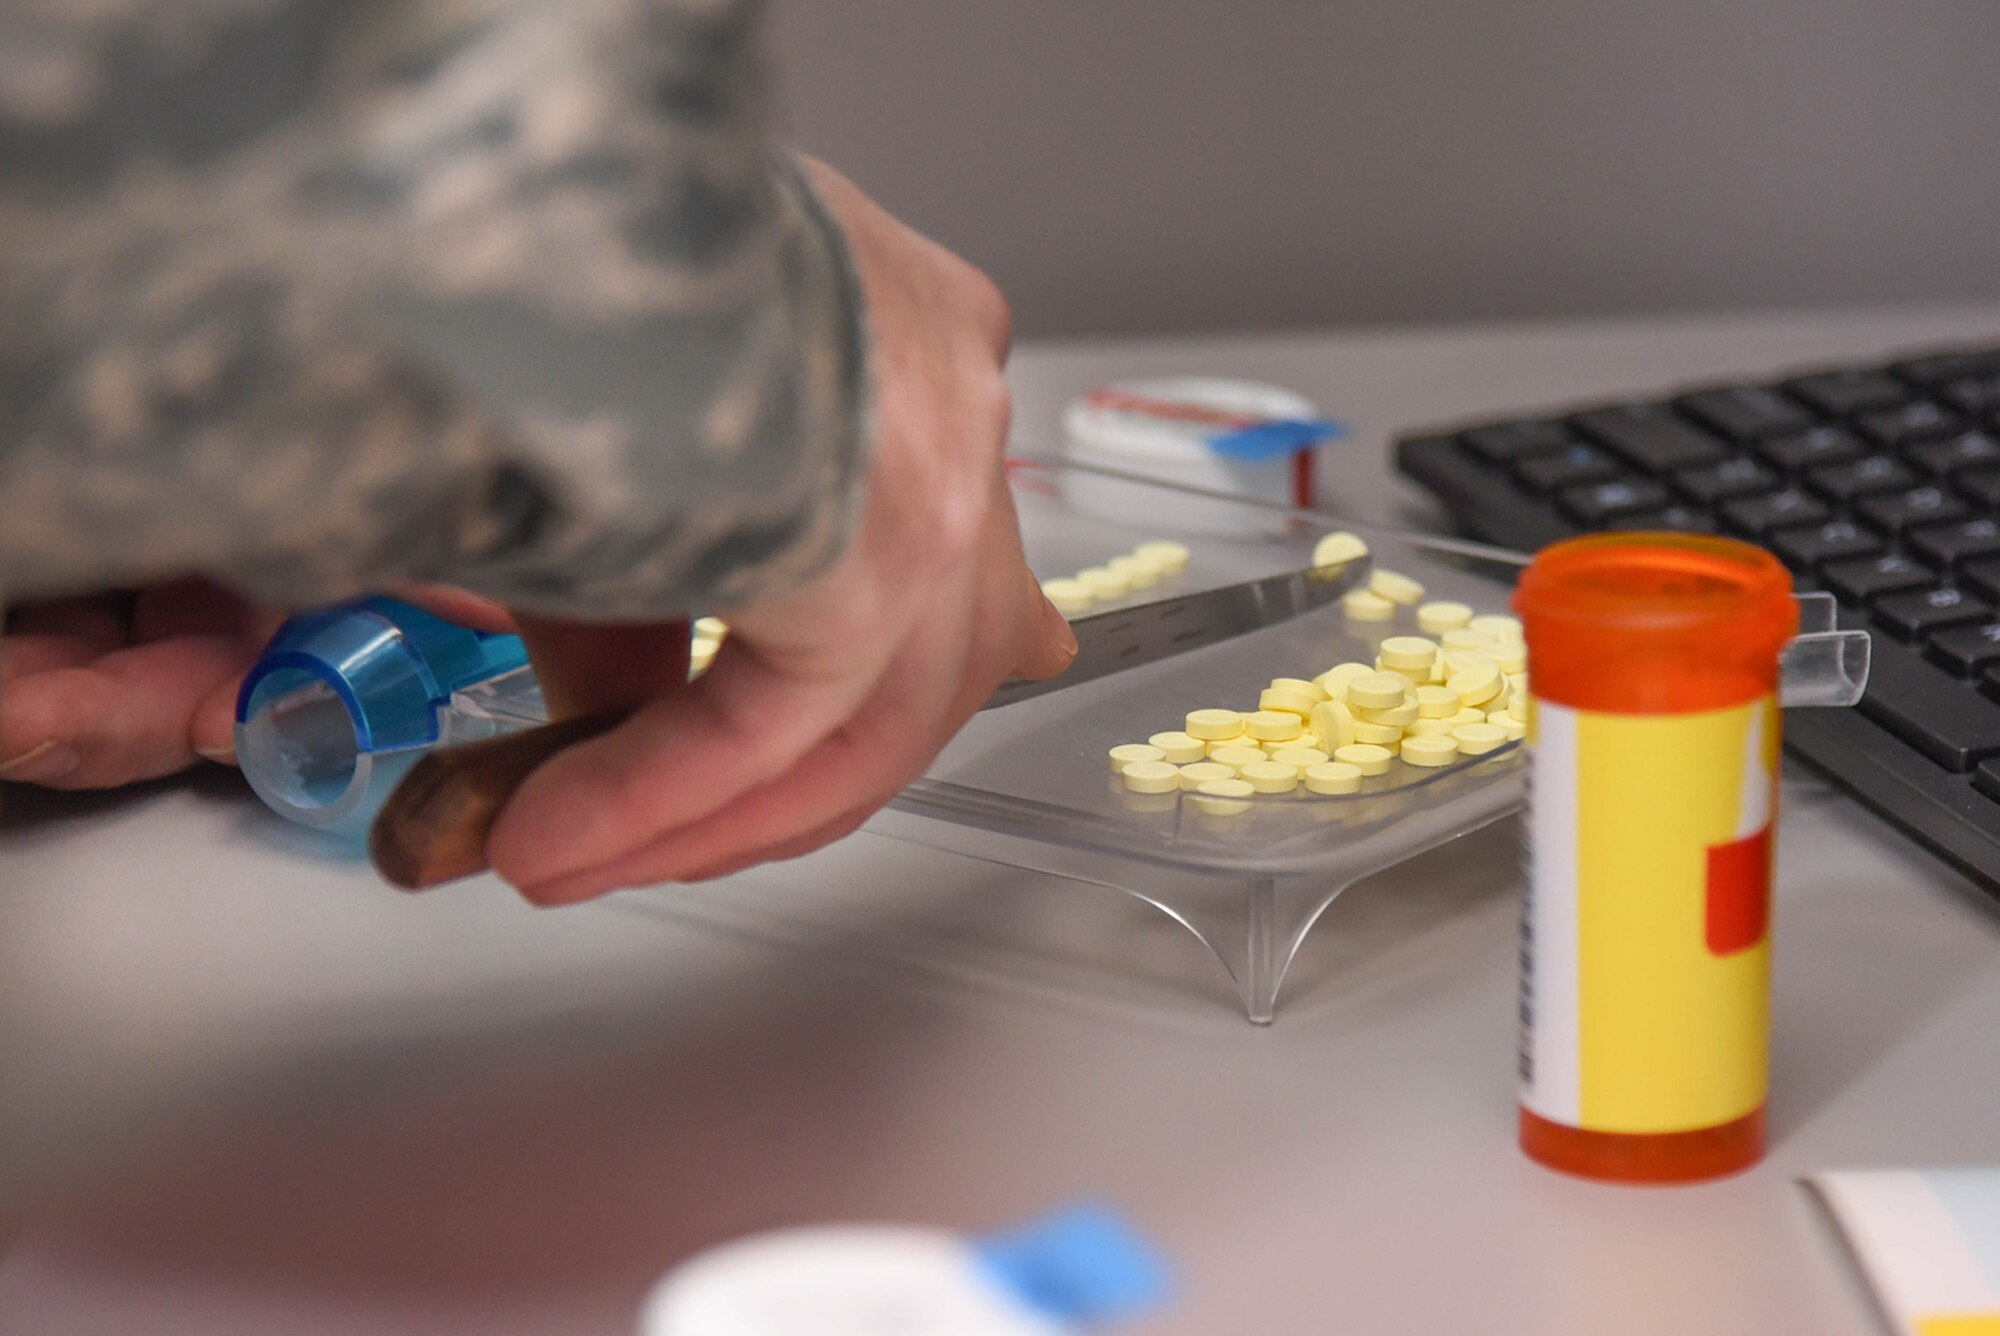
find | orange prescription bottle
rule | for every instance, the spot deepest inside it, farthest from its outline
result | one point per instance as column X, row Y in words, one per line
column 1645, row 942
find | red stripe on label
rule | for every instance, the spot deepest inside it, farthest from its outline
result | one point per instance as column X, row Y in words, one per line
column 1739, row 893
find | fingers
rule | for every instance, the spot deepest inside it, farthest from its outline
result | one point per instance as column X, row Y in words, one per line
column 854, row 770
column 681, row 759
column 84, row 710
column 128, row 716
column 65, row 634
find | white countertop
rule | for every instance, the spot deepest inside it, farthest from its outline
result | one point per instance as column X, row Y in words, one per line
column 245, row 1088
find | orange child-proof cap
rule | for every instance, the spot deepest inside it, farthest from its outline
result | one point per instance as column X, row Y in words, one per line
column 1655, row 623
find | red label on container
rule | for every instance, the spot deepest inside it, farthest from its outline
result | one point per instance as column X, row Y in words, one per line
column 1739, row 893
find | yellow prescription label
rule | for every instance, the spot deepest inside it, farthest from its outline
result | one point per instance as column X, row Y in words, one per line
column 1645, row 987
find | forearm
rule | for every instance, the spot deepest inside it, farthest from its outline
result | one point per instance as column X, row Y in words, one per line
column 521, row 303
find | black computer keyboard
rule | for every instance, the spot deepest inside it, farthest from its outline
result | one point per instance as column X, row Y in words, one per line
column 1880, row 484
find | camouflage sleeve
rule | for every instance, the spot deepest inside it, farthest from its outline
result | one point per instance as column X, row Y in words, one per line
column 319, row 295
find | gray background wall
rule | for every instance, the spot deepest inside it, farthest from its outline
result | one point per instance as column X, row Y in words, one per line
column 1142, row 165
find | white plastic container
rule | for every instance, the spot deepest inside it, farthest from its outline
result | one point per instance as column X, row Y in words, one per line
column 1074, row 1272
column 1162, row 429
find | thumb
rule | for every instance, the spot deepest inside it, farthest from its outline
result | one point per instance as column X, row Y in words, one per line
column 1051, row 644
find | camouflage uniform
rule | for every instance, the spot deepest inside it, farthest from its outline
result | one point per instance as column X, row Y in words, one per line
column 316, row 295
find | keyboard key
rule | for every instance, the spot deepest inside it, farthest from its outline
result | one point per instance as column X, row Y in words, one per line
column 1746, row 412
column 1595, row 503
column 1960, row 540
column 1968, row 449
column 1922, row 612
column 1650, row 437
column 1809, row 449
column 1915, row 421
column 1895, row 511
column 1870, row 473
column 1924, row 706
column 1982, row 485
column 1732, row 477
column 1805, row 546
column 1865, row 581
column 1673, row 519
column 1569, row 467
column 1510, row 440
column 1948, row 366
column 1974, row 394
column 1839, row 393
column 1966, row 649
column 1762, row 512
column 1982, row 576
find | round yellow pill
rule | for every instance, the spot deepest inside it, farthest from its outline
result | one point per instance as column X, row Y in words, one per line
column 1474, row 679
column 1475, row 690
column 1364, row 606
column 1103, row 582
column 1499, row 624
column 1237, row 757
column 1465, row 638
column 1430, row 728
column 1478, row 739
column 1334, row 777
column 1274, row 725
column 1409, row 678
column 1408, row 654
column 1339, row 548
column 1332, row 724
column 1402, row 714
column 1471, row 714
column 1172, row 557
column 1433, row 702
column 1382, row 735
column 1211, row 724
column 1434, row 619
column 1071, row 597
column 1335, row 679
column 1270, row 776
column 1313, row 689
column 1432, row 750
column 1395, row 587
column 1223, row 797
column 1369, row 760
column 1151, row 776
column 1215, row 745
column 1138, row 571
column 1179, row 748
column 1377, row 691
column 1288, row 700
column 1300, row 759
column 1516, row 728
column 1126, row 753
column 1194, row 776
column 1508, row 657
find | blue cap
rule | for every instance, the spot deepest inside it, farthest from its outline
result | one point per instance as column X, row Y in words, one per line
column 1084, row 1265
column 1275, row 439
column 379, row 675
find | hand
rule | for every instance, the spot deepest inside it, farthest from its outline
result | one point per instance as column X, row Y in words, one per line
column 825, row 702
column 117, row 688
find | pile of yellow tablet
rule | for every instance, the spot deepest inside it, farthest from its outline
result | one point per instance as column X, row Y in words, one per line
column 1141, row 568
column 1455, row 691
